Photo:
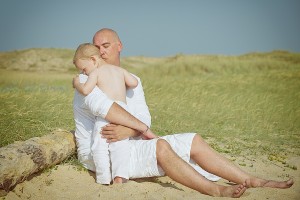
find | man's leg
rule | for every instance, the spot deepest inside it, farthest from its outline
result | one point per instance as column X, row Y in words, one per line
column 213, row 162
column 183, row 173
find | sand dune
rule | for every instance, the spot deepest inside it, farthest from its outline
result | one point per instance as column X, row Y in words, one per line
column 67, row 182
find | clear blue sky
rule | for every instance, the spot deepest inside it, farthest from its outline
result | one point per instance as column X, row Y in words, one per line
column 154, row 28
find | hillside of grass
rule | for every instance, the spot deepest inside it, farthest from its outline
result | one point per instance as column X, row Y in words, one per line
column 241, row 104
column 42, row 60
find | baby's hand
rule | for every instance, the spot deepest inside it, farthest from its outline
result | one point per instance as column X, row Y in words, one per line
column 75, row 80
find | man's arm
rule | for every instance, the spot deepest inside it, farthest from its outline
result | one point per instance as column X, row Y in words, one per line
column 100, row 105
column 119, row 115
column 116, row 132
column 136, row 101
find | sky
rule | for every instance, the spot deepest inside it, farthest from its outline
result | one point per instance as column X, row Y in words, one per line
column 155, row 28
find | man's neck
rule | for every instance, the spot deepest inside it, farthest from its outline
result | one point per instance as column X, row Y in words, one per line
column 116, row 63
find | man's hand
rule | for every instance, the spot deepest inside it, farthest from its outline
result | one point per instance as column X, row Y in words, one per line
column 148, row 135
column 114, row 133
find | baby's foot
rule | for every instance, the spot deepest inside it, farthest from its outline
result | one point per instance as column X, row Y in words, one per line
column 119, row 180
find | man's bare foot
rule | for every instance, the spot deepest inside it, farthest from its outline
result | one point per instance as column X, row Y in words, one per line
column 255, row 182
column 234, row 191
column 119, row 180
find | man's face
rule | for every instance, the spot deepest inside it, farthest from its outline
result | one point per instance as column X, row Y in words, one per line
column 110, row 47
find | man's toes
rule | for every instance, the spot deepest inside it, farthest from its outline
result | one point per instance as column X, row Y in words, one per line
column 290, row 182
column 248, row 183
column 239, row 190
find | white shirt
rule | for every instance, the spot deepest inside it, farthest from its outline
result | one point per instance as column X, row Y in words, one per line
column 86, row 108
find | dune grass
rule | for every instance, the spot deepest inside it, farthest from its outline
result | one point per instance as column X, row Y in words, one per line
column 245, row 104
column 33, row 104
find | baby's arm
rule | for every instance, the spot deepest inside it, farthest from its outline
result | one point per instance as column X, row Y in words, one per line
column 130, row 81
column 88, row 86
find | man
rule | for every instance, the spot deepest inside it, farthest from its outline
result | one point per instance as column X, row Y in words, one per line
column 170, row 155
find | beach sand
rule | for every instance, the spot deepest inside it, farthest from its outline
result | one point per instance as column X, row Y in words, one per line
column 68, row 182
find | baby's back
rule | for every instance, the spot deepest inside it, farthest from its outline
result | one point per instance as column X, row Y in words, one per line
column 112, row 82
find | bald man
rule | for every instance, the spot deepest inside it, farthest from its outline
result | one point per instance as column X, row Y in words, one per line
column 182, row 157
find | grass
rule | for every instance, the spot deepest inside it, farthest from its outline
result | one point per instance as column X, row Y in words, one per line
column 247, row 104
column 33, row 104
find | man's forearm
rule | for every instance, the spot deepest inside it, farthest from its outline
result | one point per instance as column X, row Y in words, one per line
column 132, row 132
column 117, row 115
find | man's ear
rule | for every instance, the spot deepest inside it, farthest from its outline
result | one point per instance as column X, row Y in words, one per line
column 120, row 46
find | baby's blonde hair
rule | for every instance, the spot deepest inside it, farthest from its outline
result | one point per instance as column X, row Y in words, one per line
column 86, row 51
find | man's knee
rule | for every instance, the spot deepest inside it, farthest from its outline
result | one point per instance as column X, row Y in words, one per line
column 163, row 148
column 197, row 144
column 198, row 138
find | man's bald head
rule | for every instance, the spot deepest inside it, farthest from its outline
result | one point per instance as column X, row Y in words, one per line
column 107, row 31
column 110, row 45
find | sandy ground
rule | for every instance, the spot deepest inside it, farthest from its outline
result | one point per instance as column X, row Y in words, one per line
column 67, row 182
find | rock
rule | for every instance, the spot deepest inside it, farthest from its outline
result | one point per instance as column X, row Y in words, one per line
column 22, row 159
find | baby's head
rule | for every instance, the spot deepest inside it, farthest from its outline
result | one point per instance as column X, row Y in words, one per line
column 86, row 51
column 86, row 56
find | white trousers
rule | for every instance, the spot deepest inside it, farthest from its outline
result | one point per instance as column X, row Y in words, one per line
column 110, row 159
column 143, row 160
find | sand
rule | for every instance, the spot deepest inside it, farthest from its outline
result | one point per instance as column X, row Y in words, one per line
column 68, row 182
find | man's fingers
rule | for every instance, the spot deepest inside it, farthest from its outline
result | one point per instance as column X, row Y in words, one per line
column 111, row 140
column 108, row 128
column 109, row 135
column 107, row 131
column 111, row 125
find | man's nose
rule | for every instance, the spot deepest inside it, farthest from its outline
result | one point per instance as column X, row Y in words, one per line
column 102, row 51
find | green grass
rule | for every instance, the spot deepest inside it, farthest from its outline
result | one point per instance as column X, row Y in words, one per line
column 33, row 104
column 242, row 104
